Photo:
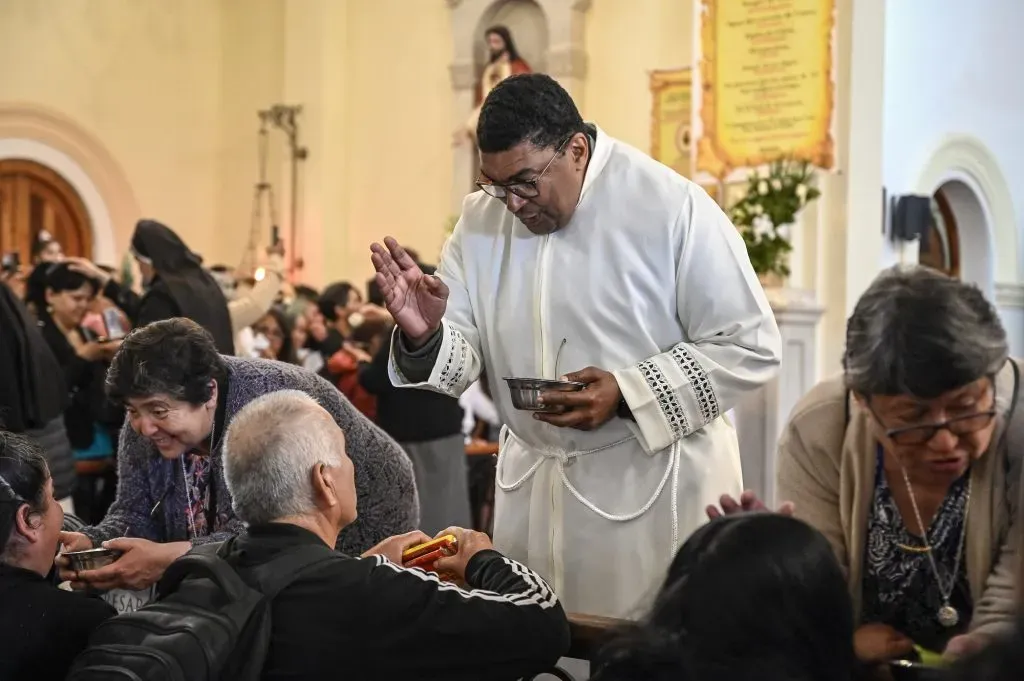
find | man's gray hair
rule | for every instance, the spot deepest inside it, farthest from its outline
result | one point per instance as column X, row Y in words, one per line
column 270, row 450
column 918, row 332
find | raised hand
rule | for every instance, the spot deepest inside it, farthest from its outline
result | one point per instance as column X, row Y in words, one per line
column 747, row 503
column 415, row 300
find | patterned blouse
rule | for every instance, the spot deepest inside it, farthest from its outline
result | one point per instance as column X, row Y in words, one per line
column 899, row 587
column 197, row 478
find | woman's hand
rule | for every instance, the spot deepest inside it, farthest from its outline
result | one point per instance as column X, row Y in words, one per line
column 876, row 643
column 88, row 269
column 748, row 503
column 965, row 645
column 392, row 548
column 91, row 351
column 357, row 352
column 141, row 565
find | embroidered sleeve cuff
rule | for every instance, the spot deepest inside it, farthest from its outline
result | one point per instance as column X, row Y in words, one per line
column 670, row 397
column 452, row 368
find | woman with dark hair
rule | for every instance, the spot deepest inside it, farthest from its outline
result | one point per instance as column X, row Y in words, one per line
column 45, row 251
column 92, row 423
column 42, row 627
column 273, row 337
column 908, row 463
column 752, row 596
column 180, row 395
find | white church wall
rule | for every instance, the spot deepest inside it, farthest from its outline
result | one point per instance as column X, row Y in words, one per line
column 952, row 113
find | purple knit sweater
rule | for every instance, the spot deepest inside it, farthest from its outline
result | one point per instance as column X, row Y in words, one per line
column 387, row 504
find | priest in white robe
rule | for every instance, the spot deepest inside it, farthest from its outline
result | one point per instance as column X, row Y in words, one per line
column 582, row 258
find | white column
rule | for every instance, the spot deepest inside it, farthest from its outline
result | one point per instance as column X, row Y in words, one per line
column 761, row 417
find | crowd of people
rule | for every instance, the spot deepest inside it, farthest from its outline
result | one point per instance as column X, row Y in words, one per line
column 261, row 424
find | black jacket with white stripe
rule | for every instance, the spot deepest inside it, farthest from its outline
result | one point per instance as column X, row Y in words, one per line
column 367, row 618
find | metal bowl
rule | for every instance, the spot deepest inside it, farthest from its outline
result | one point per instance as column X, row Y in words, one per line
column 526, row 392
column 91, row 559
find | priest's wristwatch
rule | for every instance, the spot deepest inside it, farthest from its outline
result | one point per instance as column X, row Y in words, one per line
column 623, row 411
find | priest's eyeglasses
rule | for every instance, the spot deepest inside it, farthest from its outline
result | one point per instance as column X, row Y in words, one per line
column 524, row 189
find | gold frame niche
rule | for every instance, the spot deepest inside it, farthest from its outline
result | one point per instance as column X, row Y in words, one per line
column 660, row 81
column 711, row 156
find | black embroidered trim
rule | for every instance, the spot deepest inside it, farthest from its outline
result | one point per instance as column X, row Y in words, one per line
column 454, row 368
column 667, row 400
column 700, row 384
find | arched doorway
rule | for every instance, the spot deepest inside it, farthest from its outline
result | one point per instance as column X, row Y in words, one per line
column 941, row 250
column 34, row 198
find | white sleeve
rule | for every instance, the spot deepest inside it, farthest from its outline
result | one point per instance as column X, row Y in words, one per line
column 459, row 359
column 731, row 343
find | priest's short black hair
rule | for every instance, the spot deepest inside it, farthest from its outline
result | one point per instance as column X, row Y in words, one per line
column 530, row 107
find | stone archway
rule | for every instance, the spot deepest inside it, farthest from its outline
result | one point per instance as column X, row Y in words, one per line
column 37, row 134
column 979, row 197
column 972, row 233
column 564, row 60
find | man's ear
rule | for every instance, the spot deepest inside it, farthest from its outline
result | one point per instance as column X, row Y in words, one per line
column 323, row 486
column 580, row 150
column 24, row 525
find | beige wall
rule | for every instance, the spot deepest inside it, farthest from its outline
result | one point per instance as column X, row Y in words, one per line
column 171, row 90
column 625, row 42
column 143, row 78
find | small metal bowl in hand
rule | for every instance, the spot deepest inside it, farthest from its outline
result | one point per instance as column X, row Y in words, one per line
column 526, row 392
column 91, row 559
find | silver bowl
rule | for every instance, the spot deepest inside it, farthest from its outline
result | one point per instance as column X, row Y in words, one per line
column 91, row 559
column 526, row 392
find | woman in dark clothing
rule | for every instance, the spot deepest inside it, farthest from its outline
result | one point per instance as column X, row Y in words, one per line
column 753, row 596
column 32, row 391
column 428, row 425
column 176, row 285
column 91, row 421
column 42, row 628
column 181, row 396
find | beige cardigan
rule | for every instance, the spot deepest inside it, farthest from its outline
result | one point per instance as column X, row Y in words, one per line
column 826, row 467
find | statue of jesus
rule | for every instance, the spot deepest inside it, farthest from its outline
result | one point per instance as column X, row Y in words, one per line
column 504, row 61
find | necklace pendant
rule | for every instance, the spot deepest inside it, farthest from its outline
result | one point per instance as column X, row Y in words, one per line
column 948, row 616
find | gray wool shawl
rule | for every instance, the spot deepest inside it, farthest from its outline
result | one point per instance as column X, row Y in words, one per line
column 387, row 500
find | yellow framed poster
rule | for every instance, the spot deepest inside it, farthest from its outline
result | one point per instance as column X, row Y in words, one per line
column 766, row 83
column 671, row 108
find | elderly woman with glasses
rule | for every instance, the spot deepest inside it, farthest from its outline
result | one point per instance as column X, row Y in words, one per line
column 908, row 463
